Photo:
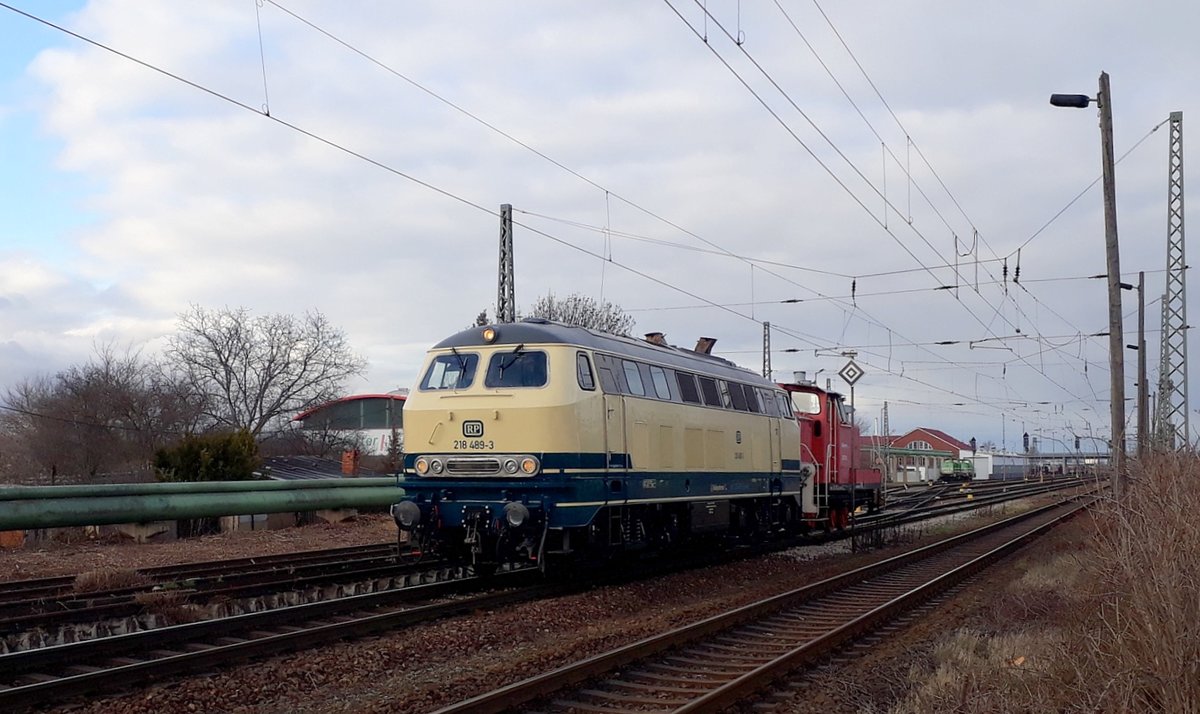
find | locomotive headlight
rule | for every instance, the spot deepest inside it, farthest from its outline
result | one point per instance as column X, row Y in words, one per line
column 530, row 465
column 515, row 514
column 406, row 514
column 436, row 466
column 422, row 465
column 510, row 466
column 489, row 334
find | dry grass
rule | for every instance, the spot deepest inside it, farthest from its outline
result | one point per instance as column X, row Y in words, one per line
column 1012, row 658
column 171, row 606
column 1143, row 650
column 1109, row 624
column 109, row 579
column 971, row 671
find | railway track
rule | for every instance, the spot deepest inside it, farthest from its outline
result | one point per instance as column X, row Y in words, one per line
column 958, row 498
column 726, row 659
column 36, row 676
column 33, row 612
column 378, row 568
column 63, row 586
column 40, row 606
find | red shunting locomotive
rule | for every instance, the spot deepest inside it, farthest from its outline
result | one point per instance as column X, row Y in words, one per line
column 831, row 441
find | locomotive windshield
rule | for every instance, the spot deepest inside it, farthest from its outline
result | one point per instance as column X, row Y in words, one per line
column 452, row 371
column 806, row 403
column 517, row 368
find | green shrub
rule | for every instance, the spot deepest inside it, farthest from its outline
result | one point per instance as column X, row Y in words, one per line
column 230, row 456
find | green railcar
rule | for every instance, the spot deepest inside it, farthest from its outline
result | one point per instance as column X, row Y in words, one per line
column 957, row 470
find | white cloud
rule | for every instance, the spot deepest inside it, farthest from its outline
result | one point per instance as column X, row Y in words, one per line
column 202, row 202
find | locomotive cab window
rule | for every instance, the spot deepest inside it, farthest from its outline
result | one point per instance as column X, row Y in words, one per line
column 452, row 371
column 806, row 403
column 583, row 372
column 517, row 368
column 843, row 411
column 687, row 387
column 633, row 377
column 725, row 400
column 738, row 396
column 783, row 404
column 661, row 387
column 708, row 388
column 752, row 400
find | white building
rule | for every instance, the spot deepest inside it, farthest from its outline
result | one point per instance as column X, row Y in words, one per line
column 997, row 466
column 376, row 419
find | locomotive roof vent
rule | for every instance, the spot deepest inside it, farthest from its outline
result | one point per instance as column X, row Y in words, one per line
column 656, row 338
column 704, row 345
column 801, row 377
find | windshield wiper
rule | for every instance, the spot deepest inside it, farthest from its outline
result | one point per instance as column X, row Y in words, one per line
column 516, row 354
column 462, row 366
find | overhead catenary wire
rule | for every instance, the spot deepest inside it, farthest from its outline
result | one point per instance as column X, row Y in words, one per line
column 475, row 117
column 362, row 157
column 797, row 334
column 934, row 171
column 787, row 97
column 881, row 293
column 347, row 150
column 527, row 146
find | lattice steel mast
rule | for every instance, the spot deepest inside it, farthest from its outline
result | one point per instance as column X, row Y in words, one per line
column 1172, row 379
column 767, row 350
column 506, row 300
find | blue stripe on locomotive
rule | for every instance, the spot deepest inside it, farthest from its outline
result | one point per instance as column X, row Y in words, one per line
column 572, row 488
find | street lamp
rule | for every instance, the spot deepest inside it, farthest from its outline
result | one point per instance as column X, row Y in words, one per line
column 1116, row 339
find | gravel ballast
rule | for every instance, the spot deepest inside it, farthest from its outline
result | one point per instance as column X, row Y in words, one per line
column 428, row 666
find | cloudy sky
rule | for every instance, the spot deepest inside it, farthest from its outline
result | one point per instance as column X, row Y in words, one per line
column 826, row 174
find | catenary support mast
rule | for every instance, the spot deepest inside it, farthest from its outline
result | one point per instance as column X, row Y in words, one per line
column 767, row 350
column 506, row 301
column 1172, row 380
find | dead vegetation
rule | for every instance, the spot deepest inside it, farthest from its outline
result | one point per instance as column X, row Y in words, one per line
column 1109, row 623
column 109, row 579
column 1144, row 646
column 171, row 606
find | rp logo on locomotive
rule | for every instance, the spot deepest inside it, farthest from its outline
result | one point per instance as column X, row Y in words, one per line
column 472, row 428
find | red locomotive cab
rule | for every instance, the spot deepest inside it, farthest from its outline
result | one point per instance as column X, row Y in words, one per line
column 830, row 439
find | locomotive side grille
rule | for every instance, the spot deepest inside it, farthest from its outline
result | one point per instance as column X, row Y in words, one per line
column 473, row 466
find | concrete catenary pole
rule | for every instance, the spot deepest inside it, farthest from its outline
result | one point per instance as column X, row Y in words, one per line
column 1143, row 403
column 1116, row 339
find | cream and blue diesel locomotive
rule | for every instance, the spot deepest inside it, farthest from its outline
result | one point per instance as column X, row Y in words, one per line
column 533, row 441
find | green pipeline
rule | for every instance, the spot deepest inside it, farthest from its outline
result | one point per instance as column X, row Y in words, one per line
column 143, row 503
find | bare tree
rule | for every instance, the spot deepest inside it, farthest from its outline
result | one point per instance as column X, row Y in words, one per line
column 108, row 414
column 256, row 371
column 584, row 311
